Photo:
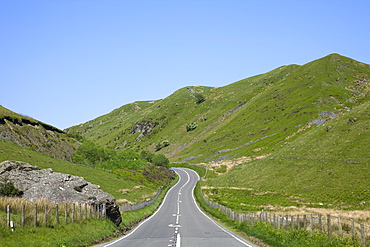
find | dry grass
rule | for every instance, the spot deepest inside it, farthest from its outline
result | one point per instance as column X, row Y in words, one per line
column 361, row 216
column 46, row 212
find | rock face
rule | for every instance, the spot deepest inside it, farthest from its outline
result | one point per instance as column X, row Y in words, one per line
column 56, row 187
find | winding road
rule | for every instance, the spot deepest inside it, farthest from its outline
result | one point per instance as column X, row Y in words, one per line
column 180, row 222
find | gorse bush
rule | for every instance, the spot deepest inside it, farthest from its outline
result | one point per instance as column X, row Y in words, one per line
column 8, row 189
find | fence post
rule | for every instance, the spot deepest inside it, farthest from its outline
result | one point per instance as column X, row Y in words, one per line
column 329, row 227
column 23, row 215
column 353, row 229
column 304, row 222
column 80, row 212
column 46, row 215
column 35, row 217
column 320, row 223
column 8, row 215
column 286, row 223
column 363, row 242
column 298, row 226
column 57, row 214
column 311, row 223
column 85, row 211
column 73, row 212
column 339, row 226
column 104, row 211
column 66, row 213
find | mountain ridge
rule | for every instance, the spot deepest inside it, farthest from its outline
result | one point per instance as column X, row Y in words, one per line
column 291, row 95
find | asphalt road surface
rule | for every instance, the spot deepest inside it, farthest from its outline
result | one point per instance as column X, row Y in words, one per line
column 180, row 222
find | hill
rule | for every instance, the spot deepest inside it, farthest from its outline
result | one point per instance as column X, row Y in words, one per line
column 31, row 133
column 295, row 136
column 247, row 118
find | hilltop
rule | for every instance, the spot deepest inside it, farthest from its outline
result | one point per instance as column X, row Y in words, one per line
column 248, row 118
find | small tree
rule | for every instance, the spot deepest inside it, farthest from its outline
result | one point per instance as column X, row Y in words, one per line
column 146, row 155
column 199, row 98
column 161, row 160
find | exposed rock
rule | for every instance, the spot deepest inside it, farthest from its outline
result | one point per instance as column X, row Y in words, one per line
column 56, row 187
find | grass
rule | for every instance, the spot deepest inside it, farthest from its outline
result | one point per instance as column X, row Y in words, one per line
column 111, row 182
column 83, row 233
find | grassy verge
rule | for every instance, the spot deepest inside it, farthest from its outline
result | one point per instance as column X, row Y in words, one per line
column 273, row 237
column 83, row 233
column 77, row 234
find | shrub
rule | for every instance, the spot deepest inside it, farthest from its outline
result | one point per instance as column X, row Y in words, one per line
column 8, row 189
column 146, row 155
column 161, row 145
column 161, row 160
column 199, row 98
column 191, row 126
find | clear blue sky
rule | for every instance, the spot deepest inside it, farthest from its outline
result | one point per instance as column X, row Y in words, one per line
column 65, row 62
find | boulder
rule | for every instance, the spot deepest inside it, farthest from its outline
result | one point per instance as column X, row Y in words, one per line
column 56, row 187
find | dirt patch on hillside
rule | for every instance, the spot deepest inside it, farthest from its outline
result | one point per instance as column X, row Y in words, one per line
column 230, row 164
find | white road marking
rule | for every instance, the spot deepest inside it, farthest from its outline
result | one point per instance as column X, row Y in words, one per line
column 214, row 222
column 123, row 237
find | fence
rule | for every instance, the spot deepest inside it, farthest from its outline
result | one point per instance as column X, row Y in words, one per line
column 50, row 215
column 330, row 225
column 131, row 207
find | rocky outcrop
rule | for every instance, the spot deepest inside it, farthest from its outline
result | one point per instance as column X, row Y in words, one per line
column 56, row 187
column 38, row 136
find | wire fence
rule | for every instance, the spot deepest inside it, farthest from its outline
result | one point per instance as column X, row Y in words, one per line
column 332, row 226
column 49, row 215
column 131, row 207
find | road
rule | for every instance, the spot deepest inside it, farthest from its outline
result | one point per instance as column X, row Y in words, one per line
column 179, row 222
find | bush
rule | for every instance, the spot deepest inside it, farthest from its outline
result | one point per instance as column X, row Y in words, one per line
column 191, row 126
column 161, row 145
column 199, row 98
column 146, row 155
column 8, row 189
column 161, row 160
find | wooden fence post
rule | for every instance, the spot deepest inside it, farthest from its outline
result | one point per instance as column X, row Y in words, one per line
column 311, row 223
column 46, row 215
column 363, row 242
column 339, row 226
column 57, row 214
column 353, row 229
column 329, row 227
column 286, row 223
column 85, row 211
column 66, row 213
column 73, row 212
column 320, row 223
column 80, row 212
column 35, row 216
column 23, row 214
column 8, row 215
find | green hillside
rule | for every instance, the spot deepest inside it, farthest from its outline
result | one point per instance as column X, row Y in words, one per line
column 297, row 135
column 246, row 118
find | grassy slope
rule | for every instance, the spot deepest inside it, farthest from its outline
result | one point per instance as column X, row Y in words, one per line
column 277, row 105
column 273, row 121
column 329, row 167
column 109, row 182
